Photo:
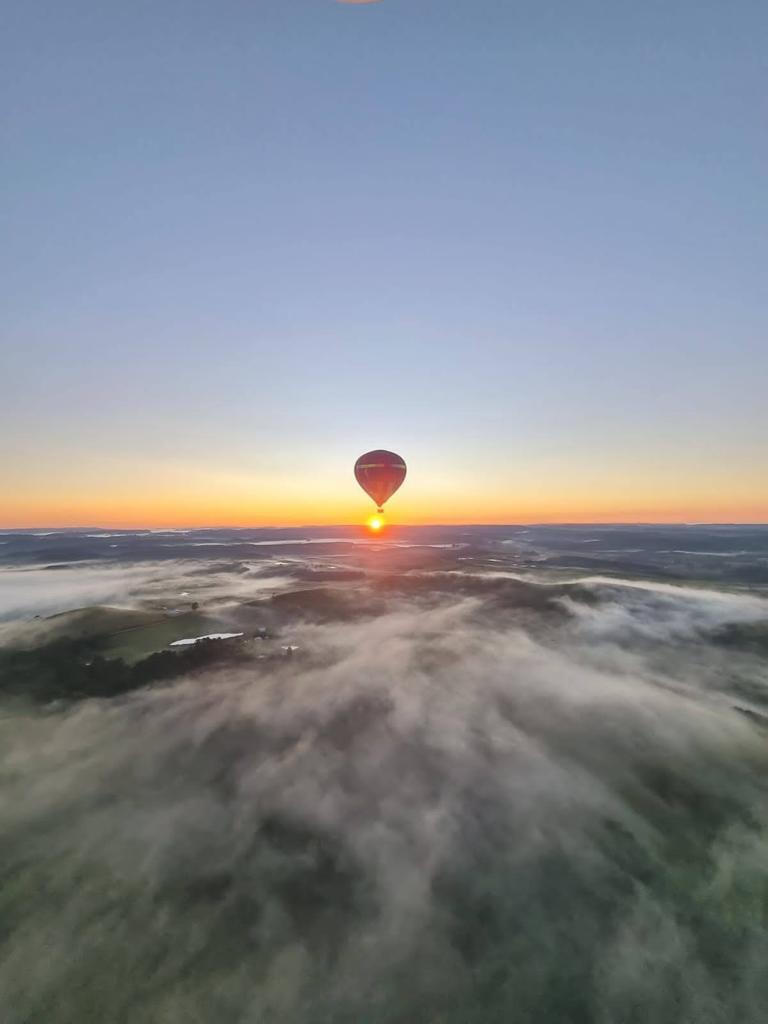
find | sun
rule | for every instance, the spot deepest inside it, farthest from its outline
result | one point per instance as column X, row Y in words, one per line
column 375, row 523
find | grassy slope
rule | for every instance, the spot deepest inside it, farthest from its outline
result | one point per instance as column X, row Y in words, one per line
column 130, row 634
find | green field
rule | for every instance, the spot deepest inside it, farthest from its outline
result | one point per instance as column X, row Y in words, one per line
column 135, row 642
column 81, row 624
column 130, row 634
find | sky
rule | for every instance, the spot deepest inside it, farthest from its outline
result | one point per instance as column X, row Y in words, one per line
column 523, row 244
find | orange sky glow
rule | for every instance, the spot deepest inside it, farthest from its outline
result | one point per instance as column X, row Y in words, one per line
column 319, row 489
column 140, row 514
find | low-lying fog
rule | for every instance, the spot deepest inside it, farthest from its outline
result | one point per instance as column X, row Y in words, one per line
column 465, row 800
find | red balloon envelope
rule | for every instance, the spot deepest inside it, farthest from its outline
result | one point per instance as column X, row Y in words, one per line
column 380, row 474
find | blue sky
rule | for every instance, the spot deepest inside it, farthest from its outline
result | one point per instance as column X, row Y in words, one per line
column 523, row 243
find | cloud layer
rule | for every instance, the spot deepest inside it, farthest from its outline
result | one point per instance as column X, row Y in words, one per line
column 457, row 810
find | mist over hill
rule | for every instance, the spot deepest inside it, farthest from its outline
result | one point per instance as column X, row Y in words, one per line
column 470, row 775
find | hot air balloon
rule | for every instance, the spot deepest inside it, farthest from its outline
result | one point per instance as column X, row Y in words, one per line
column 380, row 473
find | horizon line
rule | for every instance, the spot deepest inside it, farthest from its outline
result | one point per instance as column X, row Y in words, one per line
column 359, row 526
